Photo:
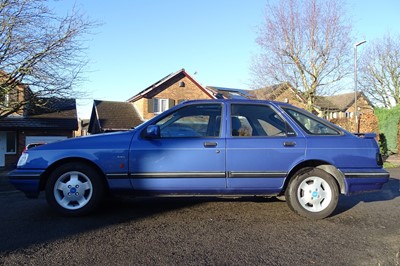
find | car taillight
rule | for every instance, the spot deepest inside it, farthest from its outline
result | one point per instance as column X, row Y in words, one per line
column 379, row 159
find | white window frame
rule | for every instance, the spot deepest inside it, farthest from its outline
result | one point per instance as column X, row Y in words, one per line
column 160, row 105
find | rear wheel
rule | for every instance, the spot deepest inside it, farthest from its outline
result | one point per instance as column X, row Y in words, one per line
column 74, row 189
column 313, row 194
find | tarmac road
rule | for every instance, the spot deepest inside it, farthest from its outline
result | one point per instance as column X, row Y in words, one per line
column 364, row 230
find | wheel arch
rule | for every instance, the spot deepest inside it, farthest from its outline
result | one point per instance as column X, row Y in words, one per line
column 329, row 168
column 45, row 176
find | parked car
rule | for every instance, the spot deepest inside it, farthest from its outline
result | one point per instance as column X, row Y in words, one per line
column 209, row 147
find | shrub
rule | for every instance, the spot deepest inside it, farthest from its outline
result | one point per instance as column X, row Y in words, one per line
column 388, row 121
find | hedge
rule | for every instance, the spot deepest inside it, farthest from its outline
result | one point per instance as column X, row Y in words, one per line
column 388, row 121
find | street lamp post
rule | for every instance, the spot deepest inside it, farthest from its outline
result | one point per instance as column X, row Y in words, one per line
column 355, row 84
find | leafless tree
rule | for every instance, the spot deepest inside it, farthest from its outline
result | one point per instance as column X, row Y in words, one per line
column 379, row 74
column 306, row 43
column 41, row 52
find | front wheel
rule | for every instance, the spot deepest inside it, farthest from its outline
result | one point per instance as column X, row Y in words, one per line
column 74, row 189
column 313, row 194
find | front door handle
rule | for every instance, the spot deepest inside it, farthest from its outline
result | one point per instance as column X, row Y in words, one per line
column 289, row 144
column 210, row 144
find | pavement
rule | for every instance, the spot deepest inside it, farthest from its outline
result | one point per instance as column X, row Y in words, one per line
column 4, row 183
column 394, row 159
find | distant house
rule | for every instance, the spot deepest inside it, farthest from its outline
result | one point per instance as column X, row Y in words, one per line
column 338, row 108
column 53, row 119
column 180, row 86
column 110, row 116
column 342, row 105
column 168, row 92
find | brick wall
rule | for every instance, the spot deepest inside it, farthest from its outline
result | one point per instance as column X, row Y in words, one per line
column 175, row 92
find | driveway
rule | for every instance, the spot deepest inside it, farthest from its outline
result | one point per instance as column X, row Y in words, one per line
column 364, row 230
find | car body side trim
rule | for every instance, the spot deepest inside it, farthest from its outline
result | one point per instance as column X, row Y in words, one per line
column 366, row 175
column 199, row 175
column 117, row 176
column 233, row 174
column 179, row 175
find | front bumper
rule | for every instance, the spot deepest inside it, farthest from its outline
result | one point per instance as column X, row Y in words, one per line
column 28, row 181
column 359, row 181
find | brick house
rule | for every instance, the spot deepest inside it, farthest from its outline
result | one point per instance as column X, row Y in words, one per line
column 180, row 86
column 168, row 92
column 338, row 109
column 283, row 92
column 55, row 119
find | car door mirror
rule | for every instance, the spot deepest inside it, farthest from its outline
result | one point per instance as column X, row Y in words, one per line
column 152, row 132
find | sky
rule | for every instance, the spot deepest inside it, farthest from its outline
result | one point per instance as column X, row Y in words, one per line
column 141, row 41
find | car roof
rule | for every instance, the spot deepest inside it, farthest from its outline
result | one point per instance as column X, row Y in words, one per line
column 237, row 101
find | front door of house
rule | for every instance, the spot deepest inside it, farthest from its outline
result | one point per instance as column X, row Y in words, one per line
column 2, row 148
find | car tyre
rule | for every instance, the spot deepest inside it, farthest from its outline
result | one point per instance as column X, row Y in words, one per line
column 313, row 194
column 74, row 189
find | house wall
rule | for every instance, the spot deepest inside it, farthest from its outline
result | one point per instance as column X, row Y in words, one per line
column 173, row 92
column 363, row 106
column 368, row 122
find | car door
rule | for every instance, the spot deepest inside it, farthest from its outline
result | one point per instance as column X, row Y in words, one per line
column 260, row 149
column 182, row 151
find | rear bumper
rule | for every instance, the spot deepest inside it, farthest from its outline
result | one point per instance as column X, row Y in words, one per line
column 357, row 181
column 28, row 181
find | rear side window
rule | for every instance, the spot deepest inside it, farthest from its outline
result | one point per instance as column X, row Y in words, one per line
column 255, row 120
column 311, row 125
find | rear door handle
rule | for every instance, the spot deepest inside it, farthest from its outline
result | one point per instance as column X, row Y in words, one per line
column 209, row 144
column 289, row 144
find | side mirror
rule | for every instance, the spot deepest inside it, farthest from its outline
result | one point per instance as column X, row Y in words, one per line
column 152, row 132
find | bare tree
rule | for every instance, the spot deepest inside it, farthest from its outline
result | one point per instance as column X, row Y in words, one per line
column 304, row 42
column 379, row 76
column 40, row 53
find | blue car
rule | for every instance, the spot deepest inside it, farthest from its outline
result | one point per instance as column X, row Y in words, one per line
column 209, row 147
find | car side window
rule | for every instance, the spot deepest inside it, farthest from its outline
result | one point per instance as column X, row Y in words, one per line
column 254, row 120
column 309, row 124
column 192, row 121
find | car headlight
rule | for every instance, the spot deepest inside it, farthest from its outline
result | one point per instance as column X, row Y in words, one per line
column 22, row 159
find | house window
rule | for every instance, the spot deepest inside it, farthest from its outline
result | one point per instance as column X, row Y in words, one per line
column 160, row 105
column 11, row 142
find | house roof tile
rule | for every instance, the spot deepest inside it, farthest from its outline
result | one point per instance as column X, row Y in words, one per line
column 51, row 113
column 274, row 91
column 340, row 102
column 156, row 87
column 113, row 115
